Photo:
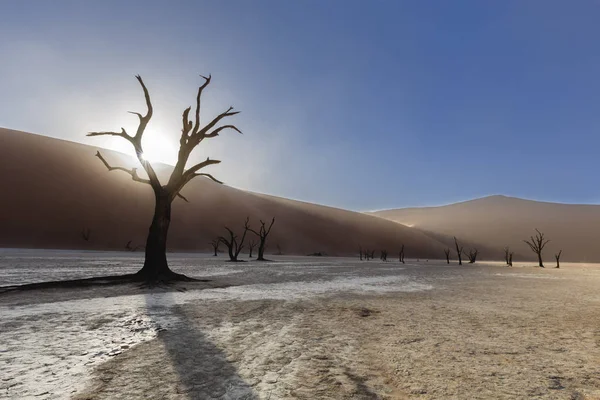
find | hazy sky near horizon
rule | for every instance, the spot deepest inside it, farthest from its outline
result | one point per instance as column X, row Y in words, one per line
column 354, row 104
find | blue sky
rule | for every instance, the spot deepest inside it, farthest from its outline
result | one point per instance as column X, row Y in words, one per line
column 361, row 105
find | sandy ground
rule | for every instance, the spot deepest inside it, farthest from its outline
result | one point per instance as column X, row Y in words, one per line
column 331, row 329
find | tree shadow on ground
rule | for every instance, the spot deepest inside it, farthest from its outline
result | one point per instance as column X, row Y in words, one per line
column 203, row 369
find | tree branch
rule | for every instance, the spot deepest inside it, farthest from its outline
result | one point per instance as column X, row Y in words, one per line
column 146, row 118
column 200, row 89
column 132, row 171
column 228, row 113
column 122, row 134
column 216, row 131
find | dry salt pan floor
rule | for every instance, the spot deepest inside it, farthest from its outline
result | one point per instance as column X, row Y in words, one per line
column 306, row 328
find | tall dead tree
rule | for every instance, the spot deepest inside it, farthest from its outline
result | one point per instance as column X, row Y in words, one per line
column 510, row 256
column 506, row 253
column 234, row 247
column 251, row 246
column 537, row 244
column 215, row 245
column 86, row 234
column 262, row 234
column 401, row 255
column 447, row 252
column 557, row 256
column 459, row 251
column 156, row 266
column 472, row 255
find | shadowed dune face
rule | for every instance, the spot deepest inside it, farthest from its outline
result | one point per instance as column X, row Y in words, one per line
column 54, row 189
column 499, row 221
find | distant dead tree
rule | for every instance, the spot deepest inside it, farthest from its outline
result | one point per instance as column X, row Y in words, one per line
column 279, row 252
column 234, row 247
column 262, row 234
column 372, row 254
column 537, row 244
column 383, row 256
column 557, row 256
column 215, row 243
column 251, row 246
column 86, row 233
column 506, row 253
column 459, row 251
column 447, row 252
column 510, row 256
column 401, row 255
column 472, row 255
column 156, row 267
column 129, row 247
column 360, row 253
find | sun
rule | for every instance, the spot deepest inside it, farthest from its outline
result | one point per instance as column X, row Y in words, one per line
column 158, row 148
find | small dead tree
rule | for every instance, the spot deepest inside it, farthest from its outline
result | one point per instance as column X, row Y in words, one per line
column 215, row 243
column 360, row 253
column 383, row 256
column 506, row 253
column 537, row 244
column 472, row 255
column 129, row 247
column 372, row 254
column 251, row 246
column 86, row 234
column 447, row 252
column 557, row 256
column 262, row 234
column 155, row 266
column 459, row 250
column 401, row 255
column 234, row 247
column 510, row 256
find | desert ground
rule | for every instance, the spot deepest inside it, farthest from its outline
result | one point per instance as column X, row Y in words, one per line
column 300, row 327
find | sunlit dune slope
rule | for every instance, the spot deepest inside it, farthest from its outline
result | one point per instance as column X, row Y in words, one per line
column 53, row 189
column 498, row 221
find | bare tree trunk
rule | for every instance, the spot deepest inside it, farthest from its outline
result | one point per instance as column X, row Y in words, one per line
column 155, row 265
column 540, row 262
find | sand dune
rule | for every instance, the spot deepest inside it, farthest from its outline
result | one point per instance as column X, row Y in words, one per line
column 53, row 189
column 498, row 221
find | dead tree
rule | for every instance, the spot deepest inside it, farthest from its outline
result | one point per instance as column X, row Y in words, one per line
column 86, row 234
column 447, row 252
column 129, row 247
column 156, row 266
column 557, row 256
column 459, row 251
column 360, row 253
column 506, row 254
column 537, row 244
column 215, row 245
column 251, row 246
column 234, row 247
column 510, row 256
column 262, row 234
column 401, row 255
column 383, row 256
column 472, row 255
column 279, row 252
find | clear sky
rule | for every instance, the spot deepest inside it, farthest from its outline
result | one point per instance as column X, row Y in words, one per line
column 355, row 104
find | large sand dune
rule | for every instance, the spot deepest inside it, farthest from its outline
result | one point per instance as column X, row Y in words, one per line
column 499, row 221
column 53, row 189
